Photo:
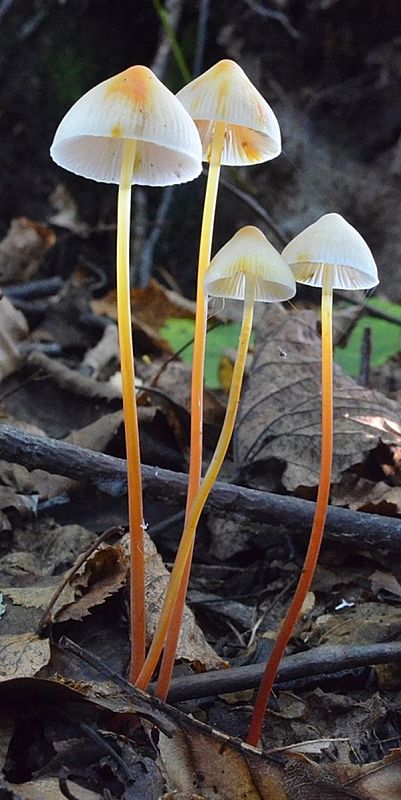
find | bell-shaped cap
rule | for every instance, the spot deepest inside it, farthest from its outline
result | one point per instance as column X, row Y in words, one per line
column 132, row 105
column 332, row 244
column 249, row 256
column 225, row 94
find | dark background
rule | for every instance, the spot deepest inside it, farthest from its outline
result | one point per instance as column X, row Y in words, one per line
column 331, row 70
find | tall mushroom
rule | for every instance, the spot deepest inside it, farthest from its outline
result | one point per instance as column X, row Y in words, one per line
column 237, row 127
column 250, row 269
column 129, row 129
column 329, row 254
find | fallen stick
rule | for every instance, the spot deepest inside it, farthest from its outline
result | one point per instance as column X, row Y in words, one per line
column 276, row 512
column 320, row 660
column 324, row 660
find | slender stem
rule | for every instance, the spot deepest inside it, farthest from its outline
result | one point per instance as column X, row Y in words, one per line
column 195, row 463
column 186, row 544
column 135, row 512
column 319, row 519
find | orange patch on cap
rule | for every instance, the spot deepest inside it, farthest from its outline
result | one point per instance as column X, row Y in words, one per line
column 134, row 84
column 253, row 153
column 117, row 131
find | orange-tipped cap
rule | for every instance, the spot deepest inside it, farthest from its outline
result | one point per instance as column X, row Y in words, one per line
column 249, row 256
column 132, row 105
column 332, row 244
column 225, row 94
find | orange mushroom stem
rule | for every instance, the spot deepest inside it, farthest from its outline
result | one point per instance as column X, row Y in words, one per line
column 237, row 127
column 247, row 268
column 130, row 128
column 330, row 254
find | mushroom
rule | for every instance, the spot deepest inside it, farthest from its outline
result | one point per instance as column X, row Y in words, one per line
column 129, row 129
column 330, row 254
column 238, row 128
column 250, row 269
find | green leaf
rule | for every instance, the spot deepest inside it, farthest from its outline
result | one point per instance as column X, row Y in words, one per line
column 385, row 338
column 178, row 332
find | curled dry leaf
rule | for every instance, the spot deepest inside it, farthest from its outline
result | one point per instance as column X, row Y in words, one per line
column 13, row 329
column 279, row 426
column 23, row 249
column 151, row 307
column 103, row 574
column 22, row 655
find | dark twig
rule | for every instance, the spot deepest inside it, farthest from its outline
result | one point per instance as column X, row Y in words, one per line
column 252, row 203
column 276, row 512
column 366, row 350
column 201, row 37
column 369, row 310
column 140, row 700
column 170, row 16
column 277, row 16
column 34, row 289
column 323, row 660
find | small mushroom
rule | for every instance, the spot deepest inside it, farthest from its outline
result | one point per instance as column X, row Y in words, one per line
column 130, row 129
column 329, row 254
column 238, row 128
column 250, row 269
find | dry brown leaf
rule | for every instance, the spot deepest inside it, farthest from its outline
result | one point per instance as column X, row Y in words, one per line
column 13, row 329
column 22, row 655
column 363, row 624
column 384, row 580
column 361, row 494
column 197, row 758
column 23, row 249
column 279, row 426
column 103, row 574
column 380, row 781
column 39, row 596
column 200, row 762
column 150, row 308
column 192, row 645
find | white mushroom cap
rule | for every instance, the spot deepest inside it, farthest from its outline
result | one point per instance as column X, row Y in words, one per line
column 132, row 105
column 225, row 94
column 249, row 256
column 332, row 244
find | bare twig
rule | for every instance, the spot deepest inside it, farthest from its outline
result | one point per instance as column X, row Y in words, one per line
column 324, row 660
column 320, row 660
column 252, row 203
column 201, row 36
column 278, row 16
column 366, row 351
column 144, row 248
column 276, row 512
column 73, row 381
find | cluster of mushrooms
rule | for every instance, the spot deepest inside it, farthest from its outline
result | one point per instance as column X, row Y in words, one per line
column 131, row 129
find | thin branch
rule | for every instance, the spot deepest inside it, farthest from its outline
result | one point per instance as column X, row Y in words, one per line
column 278, row 16
column 325, row 660
column 276, row 512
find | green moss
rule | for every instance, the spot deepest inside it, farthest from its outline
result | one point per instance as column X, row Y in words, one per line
column 178, row 332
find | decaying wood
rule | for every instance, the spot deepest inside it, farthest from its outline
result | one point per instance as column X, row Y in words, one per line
column 286, row 514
